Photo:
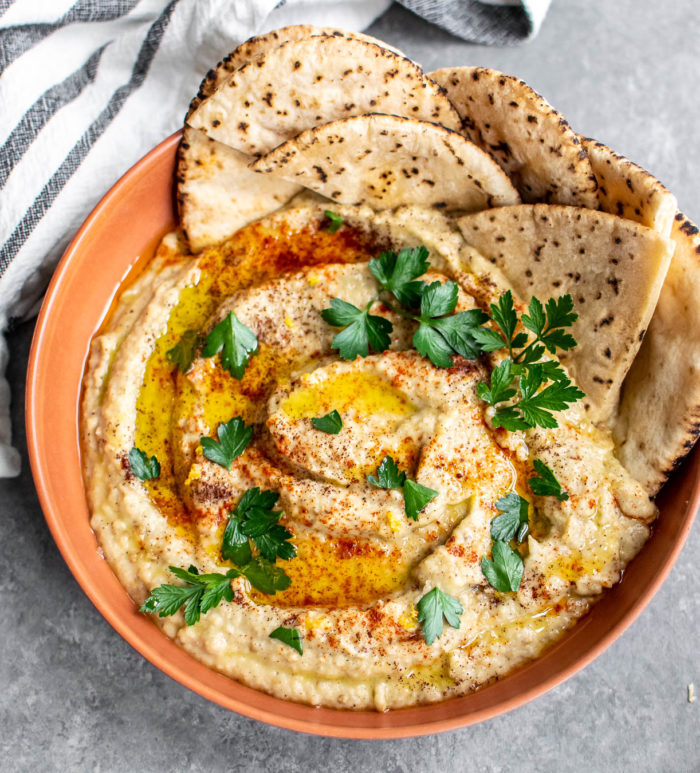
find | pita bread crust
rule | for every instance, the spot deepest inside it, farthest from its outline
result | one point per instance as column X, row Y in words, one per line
column 258, row 45
column 217, row 193
column 303, row 83
column 613, row 268
column 659, row 417
column 531, row 141
column 627, row 190
column 386, row 161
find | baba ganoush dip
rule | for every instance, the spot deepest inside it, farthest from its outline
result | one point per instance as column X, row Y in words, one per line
column 387, row 587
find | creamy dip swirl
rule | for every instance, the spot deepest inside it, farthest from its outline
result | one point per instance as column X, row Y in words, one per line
column 361, row 564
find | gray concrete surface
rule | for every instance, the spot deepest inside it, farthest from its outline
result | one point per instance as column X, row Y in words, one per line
column 74, row 696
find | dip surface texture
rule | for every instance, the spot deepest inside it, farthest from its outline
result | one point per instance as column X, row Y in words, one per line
column 361, row 564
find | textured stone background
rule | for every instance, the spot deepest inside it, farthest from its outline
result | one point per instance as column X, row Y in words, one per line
column 74, row 696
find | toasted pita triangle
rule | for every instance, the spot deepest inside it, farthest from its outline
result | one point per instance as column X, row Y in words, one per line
column 659, row 417
column 612, row 267
column 386, row 161
column 217, row 193
column 524, row 133
column 260, row 44
column 627, row 190
column 304, row 83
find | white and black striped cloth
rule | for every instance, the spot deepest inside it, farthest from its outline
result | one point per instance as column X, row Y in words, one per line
column 88, row 87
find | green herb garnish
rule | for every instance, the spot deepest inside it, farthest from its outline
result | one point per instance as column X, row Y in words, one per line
column 234, row 437
column 198, row 595
column 535, row 405
column 235, row 341
column 182, row 354
column 397, row 273
column 505, row 571
column 202, row 592
column 546, row 485
column 331, row 423
column 362, row 330
column 416, row 497
column 143, row 467
column 440, row 336
column 388, row 475
column 432, row 608
column 254, row 519
column 335, row 221
column 513, row 522
column 289, row 636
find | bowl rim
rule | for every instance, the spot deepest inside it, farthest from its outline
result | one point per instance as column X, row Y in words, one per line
column 279, row 718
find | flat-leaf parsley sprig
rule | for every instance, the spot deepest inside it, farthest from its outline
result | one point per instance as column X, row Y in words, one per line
column 202, row 592
column 252, row 521
column 415, row 496
column 441, row 333
column 541, row 387
column 504, row 570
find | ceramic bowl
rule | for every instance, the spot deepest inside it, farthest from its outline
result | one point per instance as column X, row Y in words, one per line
column 124, row 227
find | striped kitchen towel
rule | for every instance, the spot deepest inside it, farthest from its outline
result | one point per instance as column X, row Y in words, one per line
column 88, row 87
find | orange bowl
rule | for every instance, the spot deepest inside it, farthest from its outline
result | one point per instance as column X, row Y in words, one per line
column 125, row 226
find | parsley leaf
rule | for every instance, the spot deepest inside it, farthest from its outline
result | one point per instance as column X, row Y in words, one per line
column 505, row 317
column 362, row 329
column 143, row 467
column 489, row 340
column 535, row 408
column 500, row 389
column 235, row 545
column 438, row 299
column 438, row 336
column 265, row 576
column 513, row 522
column 330, row 423
column 255, row 518
column 289, row 636
column 459, row 329
column 200, row 593
column 547, row 324
column 505, row 571
column 236, row 340
column 234, row 437
column 388, row 475
column 546, row 485
column 432, row 608
column 396, row 273
column 182, row 354
column 335, row 221
column 432, row 345
column 416, row 497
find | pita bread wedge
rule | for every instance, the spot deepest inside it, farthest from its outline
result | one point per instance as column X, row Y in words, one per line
column 304, row 83
column 627, row 190
column 260, row 44
column 524, row 133
column 612, row 267
column 217, row 193
column 386, row 161
column 658, row 420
